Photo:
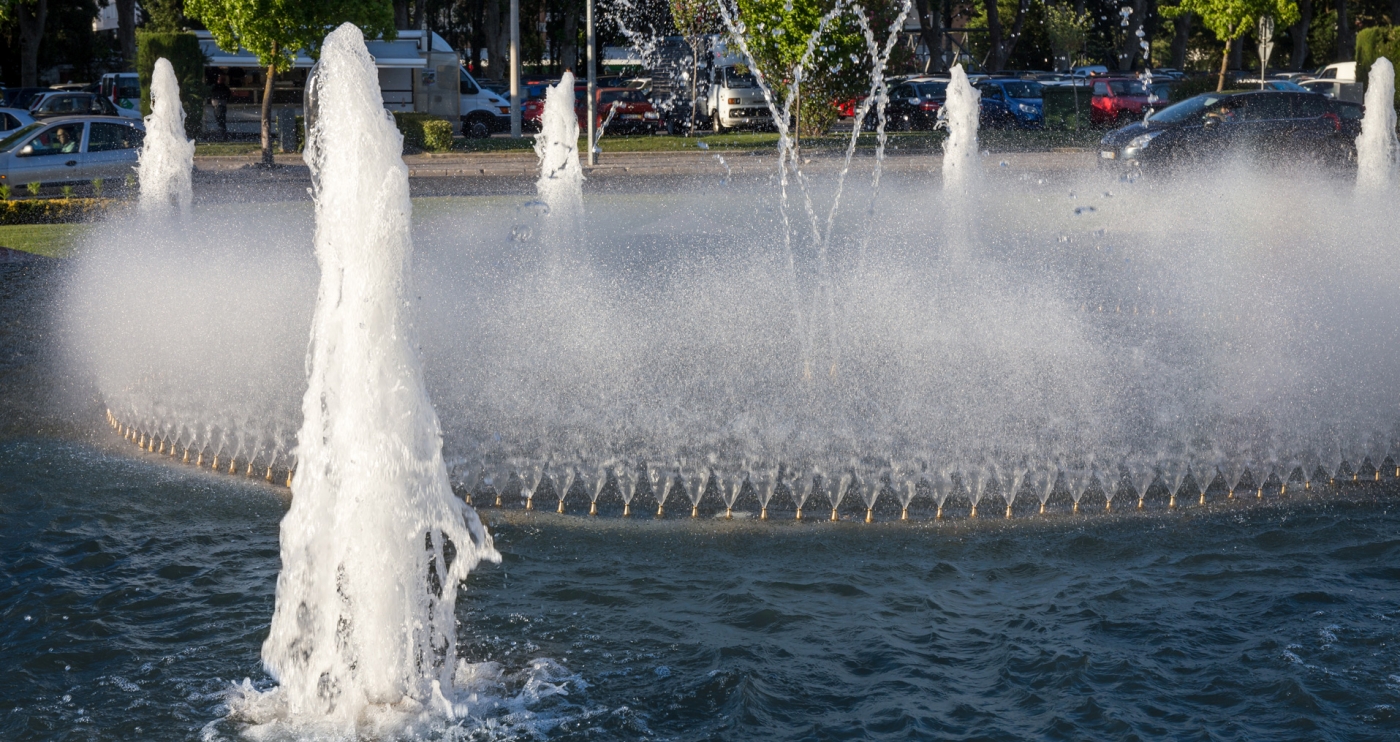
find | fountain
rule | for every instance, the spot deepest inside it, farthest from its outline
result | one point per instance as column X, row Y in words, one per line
column 959, row 114
column 560, row 185
column 167, row 157
column 1376, row 148
column 374, row 544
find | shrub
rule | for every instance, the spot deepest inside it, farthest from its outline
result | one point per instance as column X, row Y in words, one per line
column 424, row 132
column 33, row 188
column 51, row 210
column 182, row 49
column 4, row 191
column 67, row 191
column 1061, row 111
column 97, row 184
column 1374, row 43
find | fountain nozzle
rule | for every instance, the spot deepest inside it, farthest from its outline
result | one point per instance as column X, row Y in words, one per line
column 1139, row 503
column 593, row 508
column 1042, row 508
column 799, row 514
column 904, row 514
column 1008, row 512
column 1075, row 510
column 729, row 513
column 661, row 511
column 530, row 502
column 869, row 515
column 498, row 500
column 939, row 514
column 695, row 511
column 973, row 514
column 561, row 505
column 763, row 514
column 626, row 509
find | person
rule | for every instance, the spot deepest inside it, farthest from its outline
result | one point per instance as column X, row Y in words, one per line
column 64, row 142
column 219, row 95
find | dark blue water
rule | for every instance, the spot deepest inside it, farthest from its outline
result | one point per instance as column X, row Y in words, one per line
column 133, row 594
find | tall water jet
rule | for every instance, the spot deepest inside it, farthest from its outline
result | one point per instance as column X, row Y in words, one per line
column 960, row 114
column 374, row 544
column 560, row 185
column 167, row 156
column 1376, row 147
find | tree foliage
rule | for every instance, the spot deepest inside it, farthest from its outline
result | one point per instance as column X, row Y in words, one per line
column 1068, row 32
column 778, row 33
column 187, row 59
column 273, row 30
column 1231, row 19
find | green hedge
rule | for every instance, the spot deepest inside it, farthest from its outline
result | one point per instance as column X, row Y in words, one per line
column 1374, row 43
column 424, row 132
column 1060, row 109
column 182, row 49
column 51, row 210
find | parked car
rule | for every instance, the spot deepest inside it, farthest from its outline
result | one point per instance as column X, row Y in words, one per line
column 482, row 110
column 1012, row 102
column 21, row 97
column 1273, row 126
column 1115, row 101
column 70, row 149
column 630, row 110
column 124, row 90
column 913, row 105
column 735, row 101
column 1089, row 70
column 61, row 103
column 1354, row 92
column 1340, row 71
column 14, row 118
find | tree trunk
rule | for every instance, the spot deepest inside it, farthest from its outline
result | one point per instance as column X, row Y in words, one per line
column 994, row 59
column 568, row 49
column 1224, row 62
column 1300, row 35
column 694, row 42
column 267, row 112
column 1180, row 39
column 496, row 45
column 420, row 14
column 929, row 32
column 1346, row 36
column 1016, row 28
column 401, row 15
column 126, row 29
column 31, row 31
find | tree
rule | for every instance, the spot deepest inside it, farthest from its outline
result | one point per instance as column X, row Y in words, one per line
column 274, row 30
column 1069, row 33
column 694, row 19
column 1230, row 20
column 31, row 15
column 931, row 31
column 1001, row 46
column 126, row 29
column 164, row 16
column 777, row 32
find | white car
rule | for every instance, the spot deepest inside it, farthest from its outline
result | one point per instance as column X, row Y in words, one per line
column 67, row 103
column 735, row 100
column 482, row 110
column 14, row 118
column 124, row 90
column 70, row 149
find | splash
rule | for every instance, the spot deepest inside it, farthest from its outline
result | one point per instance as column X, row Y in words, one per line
column 959, row 114
column 374, row 544
column 1376, row 148
column 167, row 157
column 560, row 185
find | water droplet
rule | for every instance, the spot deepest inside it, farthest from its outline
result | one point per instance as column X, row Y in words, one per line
column 1071, row 194
column 67, row 698
column 1004, row 163
column 702, row 145
column 1081, row 210
column 521, row 233
column 1100, row 232
column 663, row 671
column 1107, row 194
column 1064, row 238
column 28, row 618
column 66, row 668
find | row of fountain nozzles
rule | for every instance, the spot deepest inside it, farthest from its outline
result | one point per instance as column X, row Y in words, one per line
column 630, row 483
column 161, row 445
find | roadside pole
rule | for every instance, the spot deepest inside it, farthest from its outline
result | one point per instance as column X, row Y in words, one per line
column 592, row 86
column 515, row 68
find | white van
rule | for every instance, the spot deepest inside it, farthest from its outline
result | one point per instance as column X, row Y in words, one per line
column 482, row 110
column 1340, row 71
column 124, row 90
column 736, row 101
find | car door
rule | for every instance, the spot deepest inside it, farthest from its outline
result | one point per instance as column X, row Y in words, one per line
column 1263, row 124
column 54, row 155
column 993, row 104
column 112, row 149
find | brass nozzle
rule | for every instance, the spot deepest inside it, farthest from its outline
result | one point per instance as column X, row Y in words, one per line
column 763, row 514
column 869, row 515
column 1171, row 504
column 561, row 505
column 1139, row 503
column 1076, row 507
column 661, row 511
column 799, row 514
column 833, row 515
column 269, row 473
column 626, row 509
column 593, row 508
column 498, row 500
column 904, row 513
column 695, row 511
column 1008, row 512
column 530, row 502
column 973, row 514
column 729, row 513
column 939, row 514
column 1203, row 498
column 1042, row 508
column 215, row 465
column 289, row 478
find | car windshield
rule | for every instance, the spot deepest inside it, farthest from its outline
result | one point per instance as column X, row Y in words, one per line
column 626, row 96
column 1023, row 89
column 9, row 142
column 1128, row 87
column 931, row 89
column 1287, row 85
column 733, row 78
column 1186, row 110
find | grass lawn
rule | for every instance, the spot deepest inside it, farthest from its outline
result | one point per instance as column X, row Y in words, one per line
column 52, row 240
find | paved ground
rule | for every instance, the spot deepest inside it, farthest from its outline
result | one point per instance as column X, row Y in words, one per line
column 223, row 178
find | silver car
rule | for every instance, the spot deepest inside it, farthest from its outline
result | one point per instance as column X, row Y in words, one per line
column 70, row 149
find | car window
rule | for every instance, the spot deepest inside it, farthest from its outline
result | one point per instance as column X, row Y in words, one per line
column 108, row 137
column 989, row 91
column 9, row 142
column 932, row 89
column 903, row 91
column 625, row 96
column 1128, row 87
column 1190, row 109
column 1100, row 88
column 128, row 87
column 1328, row 73
column 8, row 122
column 1345, row 109
column 62, row 139
column 1265, row 107
column 1023, row 89
column 63, row 104
column 733, row 78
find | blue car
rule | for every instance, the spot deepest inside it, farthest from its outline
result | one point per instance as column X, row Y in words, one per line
column 1012, row 102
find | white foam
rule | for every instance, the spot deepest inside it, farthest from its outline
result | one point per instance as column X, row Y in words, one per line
column 960, row 114
column 363, row 636
column 167, row 156
column 1376, row 147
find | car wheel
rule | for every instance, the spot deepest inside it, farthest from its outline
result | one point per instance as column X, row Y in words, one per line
column 476, row 128
column 715, row 124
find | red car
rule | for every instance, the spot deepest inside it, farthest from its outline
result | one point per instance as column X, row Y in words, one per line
column 1118, row 101
column 634, row 112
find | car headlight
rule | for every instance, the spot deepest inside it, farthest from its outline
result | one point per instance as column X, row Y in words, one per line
column 1028, row 108
column 1139, row 143
column 650, row 115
